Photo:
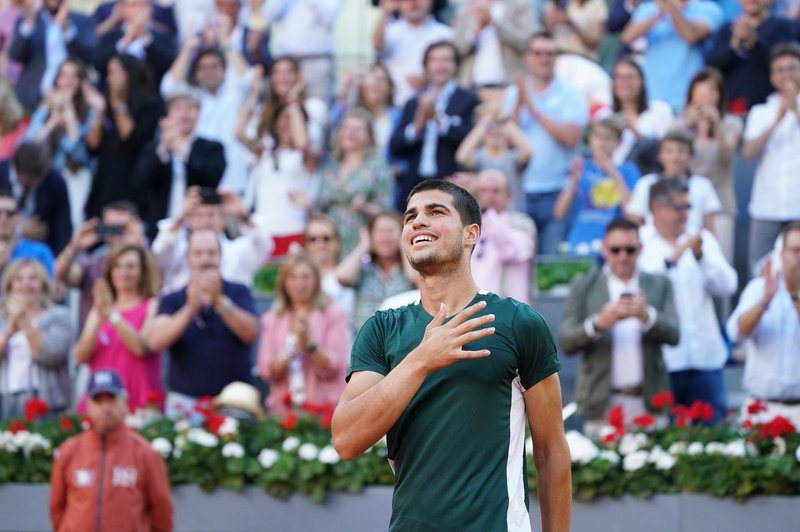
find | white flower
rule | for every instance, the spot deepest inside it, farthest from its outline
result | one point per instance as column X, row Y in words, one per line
column 308, row 451
column 162, row 446
column 581, row 449
column 182, row 425
column 635, row 460
column 632, row 442
column 780, row 446
column 229, row 427
column 290, row 444
column 529, row 446
column 180, row 441
column 202, row 437
column 268, row 457
column 677, row 448
column 695, row 448
column 328, row 455
column 582, row 249
column 233, row 449
column 609, row 456
column 607, row 431
column 715, row 447
column 661, row 458
column 736, row 448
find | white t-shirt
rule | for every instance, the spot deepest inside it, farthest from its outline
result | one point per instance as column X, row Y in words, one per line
column 702, row 196
column 776, row 194
column 654, row 122
column 404, row 47
column 18, row 370
column 270, row 188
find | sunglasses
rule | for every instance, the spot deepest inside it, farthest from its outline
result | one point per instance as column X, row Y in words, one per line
column 8, row 212
column 323, row 238
column 630, row 250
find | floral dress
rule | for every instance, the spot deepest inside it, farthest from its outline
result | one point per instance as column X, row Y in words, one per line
column 373, row 180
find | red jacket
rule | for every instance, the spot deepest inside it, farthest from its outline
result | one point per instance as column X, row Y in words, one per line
column 112, row 483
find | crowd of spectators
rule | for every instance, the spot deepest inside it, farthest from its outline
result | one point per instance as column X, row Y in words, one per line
column 155, row 156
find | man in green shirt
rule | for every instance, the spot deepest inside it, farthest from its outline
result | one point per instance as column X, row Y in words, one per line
column 451, row 390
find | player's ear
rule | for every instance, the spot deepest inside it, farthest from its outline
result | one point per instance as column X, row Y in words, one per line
column 472, row 233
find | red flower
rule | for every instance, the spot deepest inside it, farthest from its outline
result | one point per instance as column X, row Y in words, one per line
column 739, row 106
column 290, row 421
column 287, row 399
column 644, row 421
column 66, row 423
column 204, row 406
column 701, row 411
column 214, row 422
column 17, row 425
column 154, row 398
column 611, row 437
column 34, row 409
column 681, row 415
column 756, row 406
column 616, row 418
column 777, row 427
column 662, row 400
column 747, row 425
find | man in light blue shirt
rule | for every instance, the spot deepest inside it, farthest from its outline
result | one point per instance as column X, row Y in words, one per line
column 553, row 115
column 676, row 31
column 768, row 319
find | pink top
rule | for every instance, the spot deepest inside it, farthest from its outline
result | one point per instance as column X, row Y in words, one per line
column 8, row 142
column 140, row 375
column 8, row 19
column 328, row 329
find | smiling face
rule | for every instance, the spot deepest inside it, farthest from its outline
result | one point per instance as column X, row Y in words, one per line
column 354, row 134
column 434, row 238
column 27, row 284
column 385, row 237
column 627, row 82
column 301, row 284
column 282, row 77
column 68, row 79
column 126, row 272
column 440, row 65
column 674, row 156
column 540, row 57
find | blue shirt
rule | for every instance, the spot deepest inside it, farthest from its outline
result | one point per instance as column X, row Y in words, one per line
column 548, row 169
column 30, row 249
column 669, row 61
column 208, row 355
column 597, row 202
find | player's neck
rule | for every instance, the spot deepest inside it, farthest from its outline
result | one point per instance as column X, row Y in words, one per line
column 455, row 291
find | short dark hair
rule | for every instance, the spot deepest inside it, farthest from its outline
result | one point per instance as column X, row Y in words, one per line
column 442, row 44
column 663, row 190
column 465, row 203
column 794, row 226
column 610, row 123
column 209, row 50
column 32, row 160
column 539, row 35
column 123, row 206
column 783, row 49
column 622, row 224
column 677, row 135
column 641, row 98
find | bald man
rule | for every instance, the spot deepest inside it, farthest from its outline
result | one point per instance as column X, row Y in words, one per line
column 208, row 327
column 503, row 257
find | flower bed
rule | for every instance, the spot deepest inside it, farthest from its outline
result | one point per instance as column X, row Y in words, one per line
column 282, row 456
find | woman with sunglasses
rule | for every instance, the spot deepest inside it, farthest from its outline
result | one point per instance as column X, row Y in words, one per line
column 324, row 245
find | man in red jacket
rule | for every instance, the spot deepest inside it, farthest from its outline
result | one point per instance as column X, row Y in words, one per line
column 109, row 478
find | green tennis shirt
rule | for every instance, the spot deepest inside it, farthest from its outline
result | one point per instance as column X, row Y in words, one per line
column 458, row 449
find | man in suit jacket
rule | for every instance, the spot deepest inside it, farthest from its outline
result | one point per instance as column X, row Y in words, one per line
column 176, row 161
column 41, row 195
column 433, row 123
column 43, row 39
column 619, row 317
column 136, row 34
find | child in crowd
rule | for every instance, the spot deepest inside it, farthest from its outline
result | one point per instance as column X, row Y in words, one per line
column 597, row 189
column 675, row 151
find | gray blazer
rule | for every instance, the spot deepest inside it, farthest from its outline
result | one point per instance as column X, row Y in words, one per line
column 587, row 296
column 52, row 361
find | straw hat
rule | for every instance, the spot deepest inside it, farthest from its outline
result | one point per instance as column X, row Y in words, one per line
column 242, row 396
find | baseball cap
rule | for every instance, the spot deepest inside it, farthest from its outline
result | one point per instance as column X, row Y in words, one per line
column 105, row 381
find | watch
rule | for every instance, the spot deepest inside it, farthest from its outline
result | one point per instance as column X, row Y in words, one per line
column 115, row 317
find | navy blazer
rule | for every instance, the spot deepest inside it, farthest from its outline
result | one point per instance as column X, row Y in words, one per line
column 159, row 54
column 461, row 107
column 31, row 52
column 52, row 206
column 153, row 179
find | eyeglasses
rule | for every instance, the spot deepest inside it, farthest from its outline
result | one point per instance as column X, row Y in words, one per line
column 8, row 212
column 321, row 238
column 630, row 250
column 682, row 207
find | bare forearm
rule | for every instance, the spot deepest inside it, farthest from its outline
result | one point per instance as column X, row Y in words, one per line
column 124, row 124
column 167, row 329
column 567, row 135
column 243, row 324
column 564, row 202
column 753, row 148
column 636, row 29
column 84, row 351
column 554, row 482
column 465, row 155
column 64, row 263
column 362, row 421
column 348, row 270
column 683, row 27
column 131, row 338
column 748, row 321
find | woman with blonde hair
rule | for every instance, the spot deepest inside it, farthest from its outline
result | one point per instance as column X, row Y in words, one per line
column 13, row 123
column 124, row 305
column 305, row 341
column 35, row 335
